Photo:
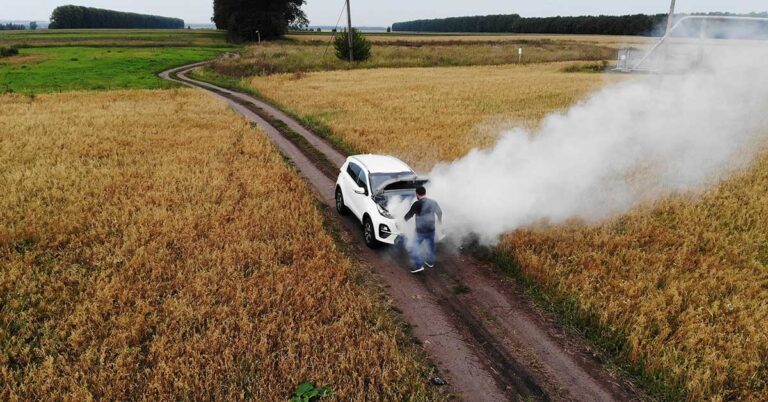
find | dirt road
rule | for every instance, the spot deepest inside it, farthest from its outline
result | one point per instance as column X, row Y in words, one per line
column 486, row 338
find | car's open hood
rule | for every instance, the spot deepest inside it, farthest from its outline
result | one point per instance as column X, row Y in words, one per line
column 400, row 184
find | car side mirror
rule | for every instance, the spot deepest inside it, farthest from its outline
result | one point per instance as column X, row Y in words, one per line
column 360, row 190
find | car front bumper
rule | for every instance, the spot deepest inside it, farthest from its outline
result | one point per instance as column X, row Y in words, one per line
column 387, row 230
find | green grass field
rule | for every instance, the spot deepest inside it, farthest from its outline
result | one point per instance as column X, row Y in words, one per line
column 67, row 60
column 42, row 70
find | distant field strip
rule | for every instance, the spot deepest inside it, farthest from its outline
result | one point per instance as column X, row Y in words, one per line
column 315, row 55
column 446, row 37
column 153, row 246
column 113, row 37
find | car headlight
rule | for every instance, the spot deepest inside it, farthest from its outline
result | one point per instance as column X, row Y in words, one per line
column 383, row 211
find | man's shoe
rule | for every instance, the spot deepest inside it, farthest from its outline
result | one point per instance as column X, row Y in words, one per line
column 428, row 265
column 417, row 270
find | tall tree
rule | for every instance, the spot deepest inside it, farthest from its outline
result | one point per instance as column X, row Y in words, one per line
column 243, row 19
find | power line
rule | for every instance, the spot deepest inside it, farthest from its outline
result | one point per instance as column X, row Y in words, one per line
column 335, row 29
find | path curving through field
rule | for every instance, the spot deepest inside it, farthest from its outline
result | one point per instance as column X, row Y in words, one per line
column 489, row 341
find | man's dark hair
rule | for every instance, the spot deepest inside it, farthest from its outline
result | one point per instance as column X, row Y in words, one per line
column 421, row 191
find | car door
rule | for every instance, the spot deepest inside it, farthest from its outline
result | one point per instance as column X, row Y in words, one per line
column 360, row 201
column 349, row 187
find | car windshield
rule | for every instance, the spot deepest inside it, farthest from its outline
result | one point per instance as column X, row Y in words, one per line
column 379, row 179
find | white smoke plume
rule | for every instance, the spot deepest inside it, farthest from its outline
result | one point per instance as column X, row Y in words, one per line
column 629, row 143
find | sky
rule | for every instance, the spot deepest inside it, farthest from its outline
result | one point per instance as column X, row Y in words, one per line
column 385, row 12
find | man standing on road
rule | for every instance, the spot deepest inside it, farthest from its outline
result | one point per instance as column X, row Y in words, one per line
column 425, row 210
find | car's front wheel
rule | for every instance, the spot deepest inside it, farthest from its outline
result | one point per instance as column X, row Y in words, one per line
column 340, row 207
column 368, row 233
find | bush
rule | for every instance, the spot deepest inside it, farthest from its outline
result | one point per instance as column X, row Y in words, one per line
column 8, row 51
column 361, row 46
column 596, row 67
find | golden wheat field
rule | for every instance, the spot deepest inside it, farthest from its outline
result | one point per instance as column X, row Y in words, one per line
column 150, row 250
column 684, row 281
column 428, row 115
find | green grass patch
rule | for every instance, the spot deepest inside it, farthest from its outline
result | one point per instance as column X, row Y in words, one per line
column 595, row 67
column 205, row 74
column 58, row 69
column 461, row 289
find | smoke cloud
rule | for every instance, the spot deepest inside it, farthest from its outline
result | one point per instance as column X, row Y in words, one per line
column 630, row 143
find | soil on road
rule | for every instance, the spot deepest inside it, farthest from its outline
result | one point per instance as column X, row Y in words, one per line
column 486, row 338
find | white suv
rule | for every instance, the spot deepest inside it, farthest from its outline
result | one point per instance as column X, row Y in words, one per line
column 367, row 186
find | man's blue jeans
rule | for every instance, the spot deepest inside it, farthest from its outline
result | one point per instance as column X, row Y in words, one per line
column 424, row 242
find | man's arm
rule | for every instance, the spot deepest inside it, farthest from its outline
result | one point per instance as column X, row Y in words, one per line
column 439, row 212
column 412, row 211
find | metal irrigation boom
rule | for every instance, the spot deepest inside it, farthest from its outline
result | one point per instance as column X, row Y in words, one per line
column 669, row 32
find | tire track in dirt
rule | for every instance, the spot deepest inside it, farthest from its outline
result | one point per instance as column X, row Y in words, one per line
column 488, row 339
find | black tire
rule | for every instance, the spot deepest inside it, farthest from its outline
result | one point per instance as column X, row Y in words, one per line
column 369, row 236
column 340, row 207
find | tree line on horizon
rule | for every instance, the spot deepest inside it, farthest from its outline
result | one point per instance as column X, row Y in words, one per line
column 14, row 27
column 635, row 25
column 74, row 17
column 638, row 24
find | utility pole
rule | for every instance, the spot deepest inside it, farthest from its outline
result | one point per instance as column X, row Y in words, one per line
column 349, row 32
column 670, row 19
column 668, row 34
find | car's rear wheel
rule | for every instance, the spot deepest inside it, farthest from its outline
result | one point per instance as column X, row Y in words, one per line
column 368, row 233
column 340, row 207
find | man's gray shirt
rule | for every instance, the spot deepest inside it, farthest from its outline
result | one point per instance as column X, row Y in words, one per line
column 425, row 210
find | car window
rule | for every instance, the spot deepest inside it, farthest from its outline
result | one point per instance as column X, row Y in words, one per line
column 353, row 171
column 362, row 180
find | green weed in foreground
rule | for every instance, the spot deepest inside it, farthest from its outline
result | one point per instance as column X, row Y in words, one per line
column 308, row 392
column 43, row 70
